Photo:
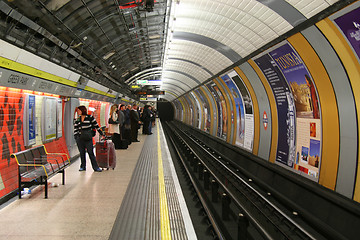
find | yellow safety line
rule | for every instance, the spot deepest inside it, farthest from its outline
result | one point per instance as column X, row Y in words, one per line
column 164, row 213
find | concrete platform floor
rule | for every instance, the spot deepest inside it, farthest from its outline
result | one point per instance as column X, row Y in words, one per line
column 84, row 208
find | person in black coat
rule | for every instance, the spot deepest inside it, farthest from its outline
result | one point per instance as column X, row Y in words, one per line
column 146, row 119
column 135, row 123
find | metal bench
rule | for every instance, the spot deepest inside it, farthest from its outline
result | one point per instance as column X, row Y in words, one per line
column 36, row 166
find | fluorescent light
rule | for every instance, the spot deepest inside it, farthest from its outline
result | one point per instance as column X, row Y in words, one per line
column 108, row 55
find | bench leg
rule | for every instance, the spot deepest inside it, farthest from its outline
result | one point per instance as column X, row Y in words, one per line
column 46, row 187
column 63, row 177
column 19, row 184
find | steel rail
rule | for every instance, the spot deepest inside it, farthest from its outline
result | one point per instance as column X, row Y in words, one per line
column 197, row 190
column 258, row 194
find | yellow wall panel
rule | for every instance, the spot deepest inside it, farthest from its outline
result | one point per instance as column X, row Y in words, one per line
column 352, row 67
column 274, row 119
column 329, row 110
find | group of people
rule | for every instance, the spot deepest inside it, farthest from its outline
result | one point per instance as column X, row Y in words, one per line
column 124, row 123
column 126, row 120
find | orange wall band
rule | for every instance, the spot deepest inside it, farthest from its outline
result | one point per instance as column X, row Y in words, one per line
column 255, row 110
column 329, row 110
column 274, row 118
column 352, row 67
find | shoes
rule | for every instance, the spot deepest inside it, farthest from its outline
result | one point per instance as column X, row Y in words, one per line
column 98, row 170
column 150, row 133
column 136, row 141
column 82, row 169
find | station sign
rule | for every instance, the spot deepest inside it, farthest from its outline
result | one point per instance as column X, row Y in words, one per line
column 149, row 82
column 142, row 82
column 151, row 99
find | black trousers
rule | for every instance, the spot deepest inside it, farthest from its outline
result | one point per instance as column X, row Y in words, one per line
column 146, row 126
column 134, row 132
column 88, row 147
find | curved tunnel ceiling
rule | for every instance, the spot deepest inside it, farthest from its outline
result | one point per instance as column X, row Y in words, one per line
column 183, row 42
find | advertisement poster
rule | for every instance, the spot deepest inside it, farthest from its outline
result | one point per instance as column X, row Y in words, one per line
column 59, row 119
column 31, row 120
column 244, row 110
column 349, row 24
column 240, row 113
column 198, row 111
column 191, row 112
column 218, row 114
column 308, row 124
column 49, row 118
column 285, row 109
column 207, row 116
column 300, row 98
column 220, row 102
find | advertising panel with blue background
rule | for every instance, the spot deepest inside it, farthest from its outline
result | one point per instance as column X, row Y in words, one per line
column 244, row 108
column 299, row 125
column 31, row 119
column 240, row 113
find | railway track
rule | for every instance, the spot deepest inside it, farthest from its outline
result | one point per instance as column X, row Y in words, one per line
column 235, row 205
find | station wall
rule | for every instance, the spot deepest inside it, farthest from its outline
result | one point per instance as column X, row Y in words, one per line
column 54, row 93
column 12, row 109
column 294, row 105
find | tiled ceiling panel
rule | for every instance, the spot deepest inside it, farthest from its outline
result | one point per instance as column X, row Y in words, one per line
column 183, row 42
column 310, row 8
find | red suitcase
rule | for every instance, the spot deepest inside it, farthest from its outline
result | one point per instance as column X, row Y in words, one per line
column 105, row 154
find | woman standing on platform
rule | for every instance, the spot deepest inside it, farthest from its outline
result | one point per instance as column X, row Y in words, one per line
column 114, row 127
column 84, row 131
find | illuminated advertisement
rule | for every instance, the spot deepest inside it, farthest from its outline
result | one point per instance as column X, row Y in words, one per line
column 349, row 24
column 244, row 110
column 221, row 106
column 299, row 125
